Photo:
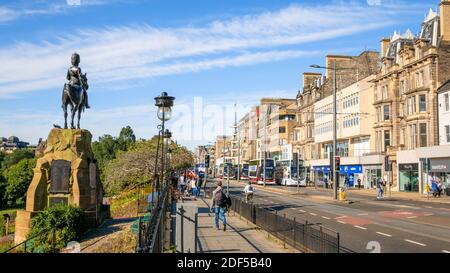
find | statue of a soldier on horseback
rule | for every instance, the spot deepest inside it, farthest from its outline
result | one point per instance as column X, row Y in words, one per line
column 75, row 92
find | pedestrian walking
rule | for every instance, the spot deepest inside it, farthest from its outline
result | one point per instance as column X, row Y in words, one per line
column 249, row 190
column 435, row 188
column 181, row 184
column 379, row 188
column 193, row 187
column 359, row 183
column 325, row 182
column 219, row 205
column 199, row 184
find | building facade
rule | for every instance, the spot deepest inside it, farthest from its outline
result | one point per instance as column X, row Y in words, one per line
column 405, row 94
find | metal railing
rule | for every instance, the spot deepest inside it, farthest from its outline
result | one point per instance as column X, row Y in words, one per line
column 151, row 231
column 298, row 233
column 26, row 244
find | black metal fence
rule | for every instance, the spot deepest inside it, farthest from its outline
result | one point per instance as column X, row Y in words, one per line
column 296, row 232
column 151, row 232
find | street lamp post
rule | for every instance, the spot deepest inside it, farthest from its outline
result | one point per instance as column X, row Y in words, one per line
column 335, row 172
column 164, row 104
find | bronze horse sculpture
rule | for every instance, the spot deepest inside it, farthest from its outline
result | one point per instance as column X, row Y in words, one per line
column 76, row 98
column 75, row 92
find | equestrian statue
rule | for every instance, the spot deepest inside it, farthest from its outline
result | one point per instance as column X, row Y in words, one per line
column 75, row 92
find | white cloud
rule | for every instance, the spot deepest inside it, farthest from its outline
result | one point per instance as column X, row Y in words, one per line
column 122, row 53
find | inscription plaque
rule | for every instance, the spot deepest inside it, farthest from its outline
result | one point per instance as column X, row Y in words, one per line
column 60, row 176
column 52, row 201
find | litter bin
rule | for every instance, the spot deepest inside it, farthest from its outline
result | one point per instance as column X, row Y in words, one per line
column 448, row 191
column 342, row 194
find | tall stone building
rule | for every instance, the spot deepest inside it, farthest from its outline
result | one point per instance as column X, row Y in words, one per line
column 406, row 98
column 350, row 69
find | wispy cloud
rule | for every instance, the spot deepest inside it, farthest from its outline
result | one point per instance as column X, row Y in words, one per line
column 32, row 9
column 142, row 51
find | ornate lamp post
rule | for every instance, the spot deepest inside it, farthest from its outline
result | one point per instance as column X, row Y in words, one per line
column 167, row 135
column 164, row 103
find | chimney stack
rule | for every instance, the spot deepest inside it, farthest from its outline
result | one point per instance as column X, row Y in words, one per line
column 384, row 46
column 445, row 19
column 310, row 77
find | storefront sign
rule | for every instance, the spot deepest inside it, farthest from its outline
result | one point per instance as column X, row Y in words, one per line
column 408, row 167
column 440, row 165
column 343, row 169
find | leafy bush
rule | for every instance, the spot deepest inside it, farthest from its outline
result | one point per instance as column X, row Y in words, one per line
column 70, row 225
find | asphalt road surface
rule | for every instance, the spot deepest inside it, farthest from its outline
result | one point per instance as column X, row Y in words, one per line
column 367, row 224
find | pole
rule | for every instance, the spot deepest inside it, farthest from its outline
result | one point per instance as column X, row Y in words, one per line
column 265, row 148
column 162, row 154
column 298, row 173
column 335, row 173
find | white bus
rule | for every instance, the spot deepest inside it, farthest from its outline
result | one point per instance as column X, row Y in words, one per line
column 286, row 173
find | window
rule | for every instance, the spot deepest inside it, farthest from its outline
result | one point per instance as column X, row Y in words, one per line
column 378, row 141
column 447, row 132
column 419, row 79
column 447, row 105
column 387, row 139
column 403, row 137
column 422, row 103
column 413, row 134
column 282, row 130
column 385, row 92
column 423, row 134
column 386, row 115
column 378, row 114
column 413, row 105
column 409, row 105
column 402, row 87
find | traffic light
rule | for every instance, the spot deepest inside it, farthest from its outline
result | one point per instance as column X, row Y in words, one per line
column 338, row 163
column 206, row 161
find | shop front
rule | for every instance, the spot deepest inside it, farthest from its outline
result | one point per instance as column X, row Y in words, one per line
column 440, row 170
column 349, row 173
column 371, row 176
column 409, row 177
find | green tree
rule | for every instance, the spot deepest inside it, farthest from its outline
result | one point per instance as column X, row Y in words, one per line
column 138, row 165
column 18, row 177
column 126, row 138
column 15, row 157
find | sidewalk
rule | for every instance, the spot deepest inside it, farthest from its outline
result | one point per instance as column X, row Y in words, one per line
column 239, row 237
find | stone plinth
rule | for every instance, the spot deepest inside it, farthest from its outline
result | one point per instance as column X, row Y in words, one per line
column 69, row 155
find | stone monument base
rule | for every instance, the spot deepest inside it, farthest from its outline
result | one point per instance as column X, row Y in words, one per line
column 65, row 174
column 23, row 224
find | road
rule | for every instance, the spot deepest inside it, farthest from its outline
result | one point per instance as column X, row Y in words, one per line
column 396, row 226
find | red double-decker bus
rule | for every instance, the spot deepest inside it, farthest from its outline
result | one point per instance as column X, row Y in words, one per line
column 256, row 172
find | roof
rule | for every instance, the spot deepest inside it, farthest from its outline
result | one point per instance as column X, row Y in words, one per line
column 444, row 87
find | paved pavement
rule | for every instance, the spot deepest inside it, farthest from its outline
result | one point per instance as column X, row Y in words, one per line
column 396, row 224
column 240, row 236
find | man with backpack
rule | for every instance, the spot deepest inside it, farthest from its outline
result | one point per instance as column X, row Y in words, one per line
column 220, row 202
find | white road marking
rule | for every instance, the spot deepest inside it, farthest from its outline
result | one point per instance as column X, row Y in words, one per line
column 363, row 213
column 412, row 217
column 428, row 214
column 428, row 207
column 301, row 210
column 414, row 242
column 340, row 217
column 360, row 227
column 445, row 251
column 342, row 222
column 313, row 214
column 324, row 217
column 384, row 234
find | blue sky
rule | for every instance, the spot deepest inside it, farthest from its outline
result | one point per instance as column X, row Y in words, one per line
column 208, row 54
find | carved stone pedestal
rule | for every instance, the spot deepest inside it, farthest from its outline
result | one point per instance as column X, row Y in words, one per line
column 65, row 174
